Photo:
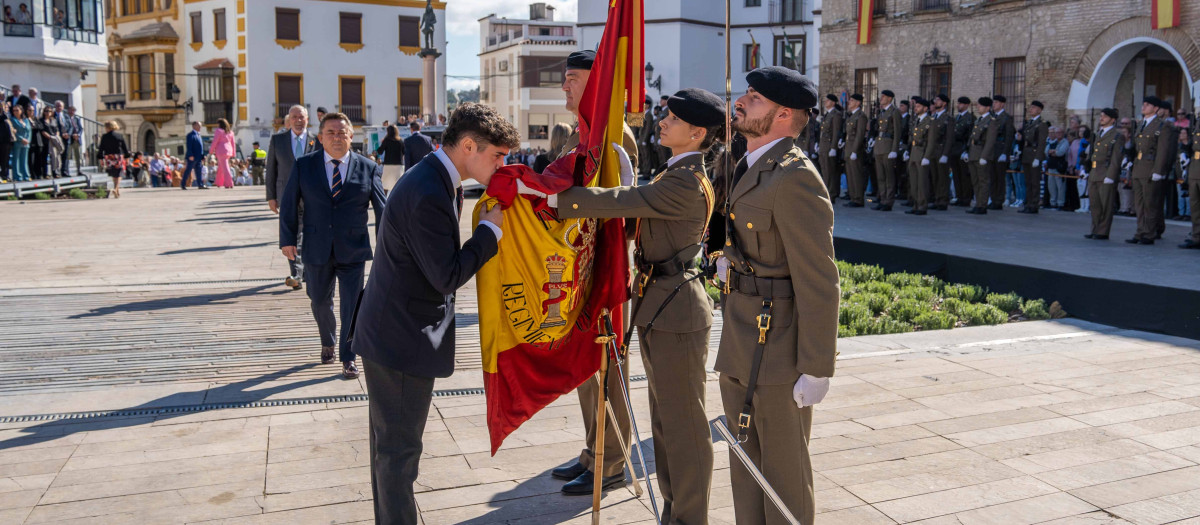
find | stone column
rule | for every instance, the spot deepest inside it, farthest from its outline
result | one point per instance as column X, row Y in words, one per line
column 429, row 85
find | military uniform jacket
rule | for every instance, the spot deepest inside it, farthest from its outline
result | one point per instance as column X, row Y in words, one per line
column 963, row 124
column 1033, row 139
column 1152, row 146
column 940, row 139
column 979, row 135
column 1106, row 156
column 782, row 220
column 628, row 142
column 831, row 132
column 1000, row 137
column 672, row 213
column 888, row 130
column 856, row 135
column 920, row 136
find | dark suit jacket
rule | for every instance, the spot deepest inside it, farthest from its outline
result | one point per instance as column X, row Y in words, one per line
column 280, row 160
column 406, row 315
column 416, row 147
column 334, row 230
column 195, row 146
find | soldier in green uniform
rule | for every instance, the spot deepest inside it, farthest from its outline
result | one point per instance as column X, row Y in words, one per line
column 917, row 163
column 1107, row 154
column 1151, row 143
column 887, row 150
column 827, row 146
column 855, row 151
column 1193, row 186
column 942, row 138
column 672, row 214
column 1169, row 183
column 1001, row 136
column 964, row 123
column 1033, row 154
column 781, row 304
column 977, row 156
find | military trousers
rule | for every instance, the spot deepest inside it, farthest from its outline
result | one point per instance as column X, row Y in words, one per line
column 1193, row 186
column 778, row 444
column 683, row 452
column 913, row 169
column 999, row 170
column 981, row 181
column 924, row 177
column 941, row 183
column 1102, row 200
column 885, row 179
column 831, row 172
column 856, row 179
column 963, row 191
column 1148, row 203
column 589, row 393
column 1033, row 188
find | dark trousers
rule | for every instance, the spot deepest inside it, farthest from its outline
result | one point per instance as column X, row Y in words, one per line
column 885, row 179
column 941, row 184
column 5, row 152
column 1102, row 203
column 190, row 168
column 962, row 181
column 37, row 161
column 1148, row 203
column 63, row 167
column 999, row 170
column 398, row 407
column 856, row 178
column 831, row 171
column 1033, row 187
column 320, row 279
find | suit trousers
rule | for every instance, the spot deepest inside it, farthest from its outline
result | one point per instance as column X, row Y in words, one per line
column 999, row 171
column 885, row 180
column 64, row 167
column 941, row 183
column 1148, row 203
column 832, row 173
column 5, row 152
column 193, row 167
column 1033, row 187
column 76, row 152
column 913, row 170
column 683, row 452
column 856, row 179
column 963, row 190
column 778, row 444
column 589, row 393
column 923, row 177
column 981, row 181
column 296, row 265
column 1103, row 201
column 1193, row 186
column 320, row 279
column 397, row 411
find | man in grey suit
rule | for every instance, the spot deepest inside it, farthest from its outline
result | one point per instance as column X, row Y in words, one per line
column 285, row 147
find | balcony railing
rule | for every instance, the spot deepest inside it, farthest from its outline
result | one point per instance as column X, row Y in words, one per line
column 113, row 101
column 931, row 5
column 25, row 30
column 358, row 114
column 790, row 12
column 218, row 110
column 282, row 108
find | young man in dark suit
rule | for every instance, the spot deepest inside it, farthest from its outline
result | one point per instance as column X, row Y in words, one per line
column 335, row 186
column 405, row 325
column 416, row 146
column 283, row 150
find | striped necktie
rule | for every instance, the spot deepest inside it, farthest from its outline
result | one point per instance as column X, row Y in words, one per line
column 336, row 185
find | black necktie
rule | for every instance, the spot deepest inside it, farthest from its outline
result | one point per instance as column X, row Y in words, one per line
column 458, row 201
column 1143, row 128
column 738, row 172
column 336, row 185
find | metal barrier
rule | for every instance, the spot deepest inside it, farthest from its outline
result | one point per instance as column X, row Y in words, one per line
column 52, row 186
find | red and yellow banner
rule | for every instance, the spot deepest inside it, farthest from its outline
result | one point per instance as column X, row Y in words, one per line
column 541, row 297
column 866, row 11
column 1164, row 13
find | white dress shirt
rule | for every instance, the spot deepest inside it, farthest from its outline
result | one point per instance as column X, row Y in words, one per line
column 456, row 182
column 671, row 162
column 753, row 156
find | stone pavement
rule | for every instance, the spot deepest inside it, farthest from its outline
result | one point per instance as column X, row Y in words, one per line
column 1038, row 422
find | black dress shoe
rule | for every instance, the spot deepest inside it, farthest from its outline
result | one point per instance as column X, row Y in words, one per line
column 583, row 485
column 1158, row 236
column 1026, row 210
column 1100, row 237
column 349, row 370
column 1190, row 245
column 997, row 207
column 907, row 203
column 1134, row 240
column 568, row 472
column 877, row 207
column 887, row 207
column 916, row 212
column 1147, row 241
column 1088, row 236
column 852, row 205
column 977, row 211
column 942, row 207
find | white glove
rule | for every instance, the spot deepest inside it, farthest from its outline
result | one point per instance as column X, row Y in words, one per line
column 1003, row 158
column 943, row 159
column 983, row 162
column 833, row 152
column 522, row 189
column 810, row 390
column 1156, row 177
column 870, row 143
column 1036, row 163
column 964, row 156
column 722, row 268
column 841, row 143
column 627, row 178
column 906, row 156
column 853, row 156
column 924, row 162
column 1108, row 180
column 892, row 155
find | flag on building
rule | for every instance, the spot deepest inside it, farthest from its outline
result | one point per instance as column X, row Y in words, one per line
column 542, row 296
column 1164, row 13
column 866, row 8
column 755, row 52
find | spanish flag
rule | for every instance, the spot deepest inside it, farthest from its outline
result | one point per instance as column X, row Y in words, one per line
column 541, row 298
column 866, row 10
column 1164, row 13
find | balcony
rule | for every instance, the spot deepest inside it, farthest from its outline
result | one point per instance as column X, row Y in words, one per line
column 358, row 115
column 789, row 12
column 25, row 30
column 403, row 112
column 113, row 101
column 282, row 108
column 930, row 5
column 217, row 110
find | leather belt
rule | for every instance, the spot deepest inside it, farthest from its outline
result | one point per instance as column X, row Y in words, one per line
column 778, row 288
column 667, row 268
column 886, row 136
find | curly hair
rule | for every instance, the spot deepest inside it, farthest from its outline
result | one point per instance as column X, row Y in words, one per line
column 482, row 124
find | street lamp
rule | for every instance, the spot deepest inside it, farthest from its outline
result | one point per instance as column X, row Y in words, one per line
column 655, row 83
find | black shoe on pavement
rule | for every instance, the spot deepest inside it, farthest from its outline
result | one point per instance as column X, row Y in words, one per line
column 1026, row 210
column 1190, row 245
column 1134, row 240
column 1090, row 236
column 997, row 207
column 885, row 208
column 583, row 485
column 569, row 472
column 852, row 205
column 916, row 212
column 1100, row 237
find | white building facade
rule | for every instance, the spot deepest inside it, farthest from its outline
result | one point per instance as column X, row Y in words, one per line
column 685, row 39
column 55, row 47
column 521, row 63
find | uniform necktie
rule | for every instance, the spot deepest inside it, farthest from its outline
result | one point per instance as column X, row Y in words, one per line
column 1143, row 128
column 458, row 201
column 336, row 185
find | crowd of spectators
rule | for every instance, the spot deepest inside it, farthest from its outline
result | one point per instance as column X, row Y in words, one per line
column 38, row 139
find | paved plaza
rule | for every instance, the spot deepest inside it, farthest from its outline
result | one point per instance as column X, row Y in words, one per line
column 169, row 377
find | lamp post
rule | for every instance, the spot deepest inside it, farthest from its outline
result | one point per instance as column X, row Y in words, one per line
column 652, row 82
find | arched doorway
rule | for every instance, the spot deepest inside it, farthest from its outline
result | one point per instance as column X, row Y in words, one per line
column 1129, row 61
column 149, row 141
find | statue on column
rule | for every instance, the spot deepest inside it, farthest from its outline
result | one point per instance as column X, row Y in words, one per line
column 428, row 20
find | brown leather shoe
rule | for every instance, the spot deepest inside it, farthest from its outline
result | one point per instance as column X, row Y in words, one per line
column 326, row 355
column 292, row 282
column 349, row 370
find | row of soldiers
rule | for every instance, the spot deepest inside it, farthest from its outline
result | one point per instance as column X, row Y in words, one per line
column 937, row 146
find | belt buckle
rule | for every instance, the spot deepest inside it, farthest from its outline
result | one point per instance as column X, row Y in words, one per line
column 764, row 322
column 743, row 427
column 642, row 281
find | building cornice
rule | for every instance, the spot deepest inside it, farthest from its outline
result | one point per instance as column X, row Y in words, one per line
column 390, row 3
column 706, row 23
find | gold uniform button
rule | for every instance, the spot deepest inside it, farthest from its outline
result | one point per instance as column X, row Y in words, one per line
column 575, row 206
column 732, row 216
column 749, row 226
column 728, row 243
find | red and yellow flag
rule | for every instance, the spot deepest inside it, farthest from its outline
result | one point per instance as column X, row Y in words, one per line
column 1164, row 13
column 541, row 297
column 866, row 11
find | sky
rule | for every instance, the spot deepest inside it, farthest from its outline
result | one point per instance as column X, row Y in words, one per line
column 462, row 32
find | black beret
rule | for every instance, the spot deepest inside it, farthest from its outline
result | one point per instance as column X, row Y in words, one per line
column 985, row 102
column 921, row 101
column 1038, row 104
column 857, row 96
column 1000, row 98
column 697, row 107
column 832, row 97
column 321, row 109
column 964, row 100
column 1164, row 104
column 1112, row 113
column 887, row 93
column 664, row 97
column 581, row 59
column 783, row 86
column 942, row 97
column 1152, row 100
